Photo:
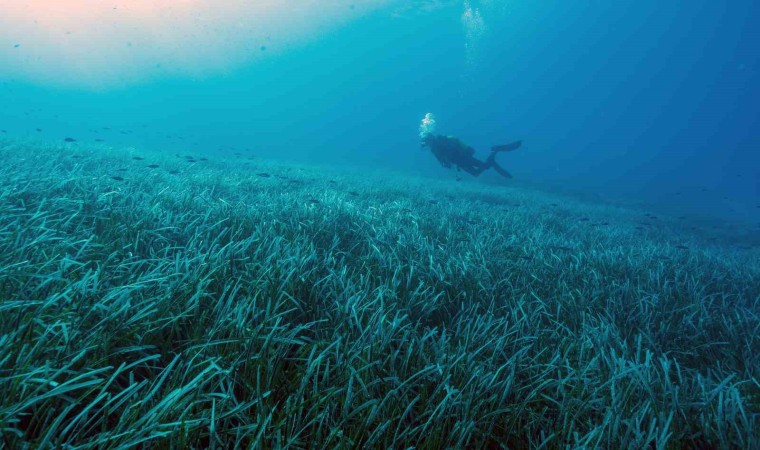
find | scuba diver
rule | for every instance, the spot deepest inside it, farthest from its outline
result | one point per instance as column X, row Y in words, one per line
column 449, row 150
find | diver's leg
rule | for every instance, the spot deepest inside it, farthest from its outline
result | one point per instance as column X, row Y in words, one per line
column 472, row 170
column 473, row 166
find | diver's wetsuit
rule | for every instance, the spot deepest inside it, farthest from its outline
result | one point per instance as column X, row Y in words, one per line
column 450, row 150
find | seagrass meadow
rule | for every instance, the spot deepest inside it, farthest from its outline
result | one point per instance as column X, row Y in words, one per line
column 167, row 301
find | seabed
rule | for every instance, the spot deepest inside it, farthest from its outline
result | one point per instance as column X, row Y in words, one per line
column 235, row 302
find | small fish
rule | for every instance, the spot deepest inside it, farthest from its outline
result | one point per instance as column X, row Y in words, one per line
column 38, row 129
column 583, row 219
column 138, row 158
column 405, row 210
column 152, row 166
column 17, row 46
column 682, row 247
column 560, row 247
column 117, row 178
column 203, row 159
column 353, row 193
column 314, row 201
column 100, row 140
column 333, row 182
column 681, row 217
column 527, row 258
column 174, row 172
column 264, row 175
column 433, row 202
column 639, row 227
column 68, row 139
column 191, row 160
column 3, row 131
column 604, row 224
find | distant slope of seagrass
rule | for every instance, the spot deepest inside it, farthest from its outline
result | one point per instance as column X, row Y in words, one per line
column 196, row 301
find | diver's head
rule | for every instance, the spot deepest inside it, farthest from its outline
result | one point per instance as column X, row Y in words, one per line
column 427, row 140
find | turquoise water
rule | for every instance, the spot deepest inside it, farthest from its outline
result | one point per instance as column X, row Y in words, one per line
column 219, row 228
column 655, row 102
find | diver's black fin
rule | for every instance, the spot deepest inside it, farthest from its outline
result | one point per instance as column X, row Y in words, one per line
column 501, row 171
column 491, row 161
column 506, row 147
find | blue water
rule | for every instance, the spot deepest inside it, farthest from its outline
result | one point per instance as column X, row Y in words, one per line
column 648, row 102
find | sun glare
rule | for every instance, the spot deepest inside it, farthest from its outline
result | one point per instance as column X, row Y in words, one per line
column 98, row 43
